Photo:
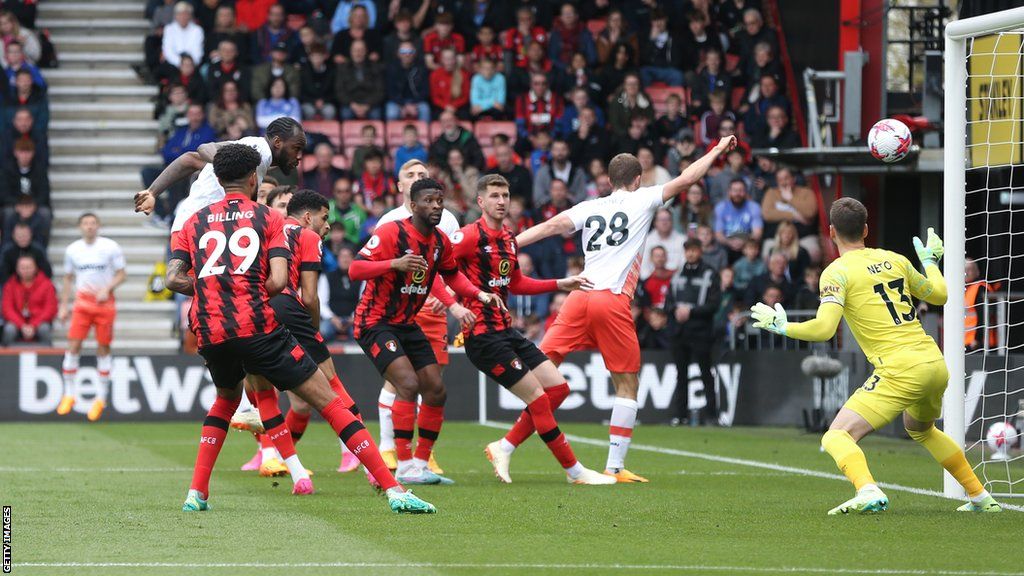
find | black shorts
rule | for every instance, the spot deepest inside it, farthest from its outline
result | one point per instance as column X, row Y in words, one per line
column 384, row 343
column 276, row 356
column 506, row 356
column 296, row 319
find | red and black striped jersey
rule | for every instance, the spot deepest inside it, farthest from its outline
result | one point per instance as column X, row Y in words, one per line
column 488, row 258
column 230, row 244
column 395, row 297
column 305, row 247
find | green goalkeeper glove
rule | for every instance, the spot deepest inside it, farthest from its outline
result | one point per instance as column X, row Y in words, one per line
column 768, row 318
column 931, row 252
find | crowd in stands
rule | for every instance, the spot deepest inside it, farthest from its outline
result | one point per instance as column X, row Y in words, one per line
column 28, row 299
column 543, row 93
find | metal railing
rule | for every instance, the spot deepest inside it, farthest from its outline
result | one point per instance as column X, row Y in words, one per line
column 746, row 337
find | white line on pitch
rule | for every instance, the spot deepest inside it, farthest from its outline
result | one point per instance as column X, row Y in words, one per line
column 513, row 566
column 755, row 464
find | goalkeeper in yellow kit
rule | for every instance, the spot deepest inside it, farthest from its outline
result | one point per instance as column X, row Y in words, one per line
column 872, row 289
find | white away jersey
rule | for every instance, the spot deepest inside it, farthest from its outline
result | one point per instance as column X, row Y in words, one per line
column 614, row 230
column 93, row 265
column 449, row 223
column 206, row 189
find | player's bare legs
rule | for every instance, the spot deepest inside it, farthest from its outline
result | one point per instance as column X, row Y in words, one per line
column 275, row 429
column 211, row 439
column 409, row 383
column 952, row 458
column 538, row 407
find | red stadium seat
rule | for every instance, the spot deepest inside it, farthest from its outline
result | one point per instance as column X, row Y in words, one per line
column 329, row 128
column 659, row 94
column 352, row 132
column 486, row 129
column 395, row 128
column 435, row 128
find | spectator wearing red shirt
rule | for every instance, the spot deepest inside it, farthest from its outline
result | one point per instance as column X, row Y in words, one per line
column 538, row 108
column 449, row 86
column 29, row 304
column 487, row 49
column 656, row 286
column 558, row 202
column 516, row 40
column 568, row 36
column 374, row 183
column 442, row 36
column 252, row 14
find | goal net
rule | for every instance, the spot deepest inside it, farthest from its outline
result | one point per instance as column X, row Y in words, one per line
column 983, row 321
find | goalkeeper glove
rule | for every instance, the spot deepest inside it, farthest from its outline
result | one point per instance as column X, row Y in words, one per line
column 931, row 252
column 768, row 318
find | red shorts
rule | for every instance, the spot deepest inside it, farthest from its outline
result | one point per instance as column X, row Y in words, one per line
column 87, row 313
column 435, row 328
column 598, row 319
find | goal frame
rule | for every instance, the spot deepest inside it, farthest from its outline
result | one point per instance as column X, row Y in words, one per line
column 954, row 212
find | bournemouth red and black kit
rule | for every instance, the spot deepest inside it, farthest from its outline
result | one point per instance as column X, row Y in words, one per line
column 488, row 258
column 304, row 246
column 384, row 323
column 230, row 244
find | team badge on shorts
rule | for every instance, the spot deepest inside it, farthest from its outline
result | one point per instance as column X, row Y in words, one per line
column 517, row 365
column 391, row 345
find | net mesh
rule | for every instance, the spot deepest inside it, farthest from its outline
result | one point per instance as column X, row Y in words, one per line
column 994, row 298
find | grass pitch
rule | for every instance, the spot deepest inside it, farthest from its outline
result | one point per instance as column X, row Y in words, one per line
column 106, row 499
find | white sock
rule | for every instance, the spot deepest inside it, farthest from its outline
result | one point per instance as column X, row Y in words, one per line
column 387, row 425
column 270, row 454
column 575, row 470
column 980, row 497
column 621, row 432
column 404, row 466
column 103, row 366
column 419, row 463
column 296, row 469
column 344, row 447
column 69, row 370
column 867, row 488
column 506, row 446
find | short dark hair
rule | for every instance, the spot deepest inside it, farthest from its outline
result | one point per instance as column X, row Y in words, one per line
column 623, row 170
column 284, row 128
column 373, row 153
column 85, row 215
column 269, row 180
column 25, row 200
column 235, row 162
column 279, row 191
column 692, row 243
column 484, row 182
column 424, row 184
column 848, row 216
column 306, row 201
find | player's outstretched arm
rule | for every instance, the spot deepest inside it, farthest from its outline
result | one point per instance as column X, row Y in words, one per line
column 458, row 282
column 366, row 269
column 696, row 171
column 180, row 168
column 560, row 224
column 819, row 329
column 177, row 279
column 930, row 287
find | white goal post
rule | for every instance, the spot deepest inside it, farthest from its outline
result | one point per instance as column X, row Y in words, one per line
column 999, row 149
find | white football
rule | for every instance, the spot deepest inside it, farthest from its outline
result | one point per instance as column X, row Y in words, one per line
column 889, row 140
column 1001, row 436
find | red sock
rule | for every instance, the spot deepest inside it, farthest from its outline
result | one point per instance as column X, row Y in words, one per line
column 215, row 430
column 403, row 414
column 273, row 423
column 297, row 423
column 547, row 428
column 346, row 399
column 524, row 426
column 429, row 423
column 359, row 442
column 265, row 441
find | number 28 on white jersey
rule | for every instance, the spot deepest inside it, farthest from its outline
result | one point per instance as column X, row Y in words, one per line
column 614, row 230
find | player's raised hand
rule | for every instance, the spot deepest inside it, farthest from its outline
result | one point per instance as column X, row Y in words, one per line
column 574, row 283
column 409, row 263
column 931, row 252
column 492, row 300
column 768, row 318
column 145, row 202
column 464, row 315
column 726, row 144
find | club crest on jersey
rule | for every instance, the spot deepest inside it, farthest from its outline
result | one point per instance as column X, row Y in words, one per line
column 391, row 345
column 504, row 267
column 419, row 276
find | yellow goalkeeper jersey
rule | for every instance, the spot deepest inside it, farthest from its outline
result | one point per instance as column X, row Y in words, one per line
column 874, row 287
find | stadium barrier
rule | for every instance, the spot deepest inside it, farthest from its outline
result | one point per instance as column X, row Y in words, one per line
column 755, row 388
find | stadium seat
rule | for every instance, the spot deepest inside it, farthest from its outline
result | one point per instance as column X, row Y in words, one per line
column 328, row 128
column 435, row 128
column 486, row 129
column 351, row 132
column 659, row 94
column 395, row 128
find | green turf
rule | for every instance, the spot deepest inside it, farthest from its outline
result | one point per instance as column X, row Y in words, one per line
column 112, row 493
